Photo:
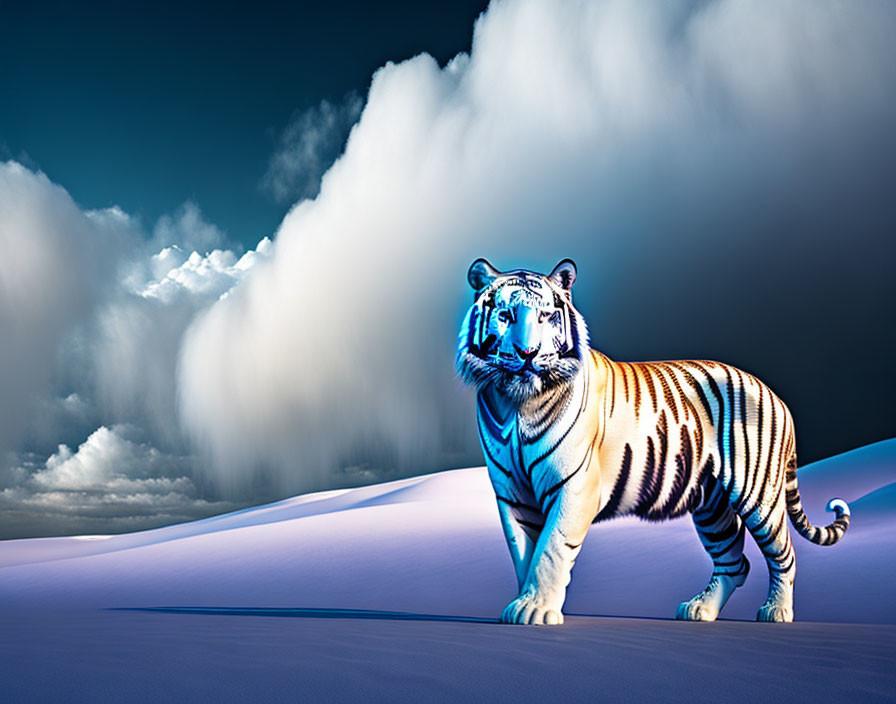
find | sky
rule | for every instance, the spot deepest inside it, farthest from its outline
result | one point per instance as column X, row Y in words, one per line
column 145, row 106
column 236, row 244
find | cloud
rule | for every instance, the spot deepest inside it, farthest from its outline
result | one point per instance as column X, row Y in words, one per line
column 92, row 314
column 134, row 341
column 176, row 273
column 112, row 482
column 308, row 146
column 188, row 230
column 678, row 152
column 54, row 268
column 106, row 460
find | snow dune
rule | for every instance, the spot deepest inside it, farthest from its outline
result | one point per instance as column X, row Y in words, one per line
column 423, row 561
column 433, row 544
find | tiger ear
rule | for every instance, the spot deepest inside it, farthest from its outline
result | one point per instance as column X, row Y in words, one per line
column 564, row 274
column 481, row 274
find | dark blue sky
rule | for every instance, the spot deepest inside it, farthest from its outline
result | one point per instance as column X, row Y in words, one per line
column 146, row 105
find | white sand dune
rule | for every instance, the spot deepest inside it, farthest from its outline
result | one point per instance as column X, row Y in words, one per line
column 432, row 546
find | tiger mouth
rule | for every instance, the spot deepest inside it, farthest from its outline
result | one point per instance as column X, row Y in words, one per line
column 525, row 368
column 511, row 363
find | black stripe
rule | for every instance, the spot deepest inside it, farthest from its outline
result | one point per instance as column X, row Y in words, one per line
column 521, row 462
column 714, row 388
column 769, row 538
column 493, row 421
column 719, row 504
column 529, row 524
column 551, row 399
column 648, row 379
column 650, row 487
column 616, row 495
column 732, row 446
column 738, row 537
column 548, row 418
column 475, row 320
column 662, row 430
column 759, row 433
column 637, row 382
column 553, row 447
column 716, row 550
column 571, row 425
column 743, row 424
column 699, row 439
column 556, row 487
column 612, row 376
column 685, row 401
column 518, row 504
column 763, row 521
column 667, row 392
column 728, row 530
column 783, row 567
column 779, row 464
column 743, row 568
column 683, row 465
column 694, row 384
column 761, row 474
column 771, row 446
column 489, row 455
column 718, row 396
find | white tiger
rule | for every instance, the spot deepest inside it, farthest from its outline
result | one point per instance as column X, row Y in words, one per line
column 571, row 438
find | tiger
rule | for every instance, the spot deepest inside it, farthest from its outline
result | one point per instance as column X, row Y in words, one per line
column 572, row 438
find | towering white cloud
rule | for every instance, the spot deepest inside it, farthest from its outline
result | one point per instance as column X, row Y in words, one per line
column 667, row 147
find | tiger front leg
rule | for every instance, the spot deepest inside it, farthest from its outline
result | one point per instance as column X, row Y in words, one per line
column 521, row 530
column 544, row 590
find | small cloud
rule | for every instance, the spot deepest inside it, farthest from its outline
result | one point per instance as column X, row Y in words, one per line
column 105, row 459
column 208, row 276
column 188, row 230
column 309, row 145
column 111, row 215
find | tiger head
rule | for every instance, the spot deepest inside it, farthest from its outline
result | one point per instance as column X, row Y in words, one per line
column 522, row 334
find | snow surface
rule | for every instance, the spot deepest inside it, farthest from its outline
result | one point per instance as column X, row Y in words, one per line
column 390, row 592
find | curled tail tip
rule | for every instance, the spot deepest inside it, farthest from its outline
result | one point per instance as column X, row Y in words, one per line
column 839, row 507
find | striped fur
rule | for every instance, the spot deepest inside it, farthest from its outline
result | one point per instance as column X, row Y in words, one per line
column 572, row 438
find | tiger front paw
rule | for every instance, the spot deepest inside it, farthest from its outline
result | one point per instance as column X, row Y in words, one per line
column 775, row 613
column 530, row 609
column 697, row 610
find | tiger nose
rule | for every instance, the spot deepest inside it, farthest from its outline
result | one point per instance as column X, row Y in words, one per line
column 528, row 352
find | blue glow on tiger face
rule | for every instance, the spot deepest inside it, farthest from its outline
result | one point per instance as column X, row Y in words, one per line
column 521, row 325
column 521, row 334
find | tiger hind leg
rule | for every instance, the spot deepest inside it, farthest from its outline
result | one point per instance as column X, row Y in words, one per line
column 721, row 532
column 769, row 528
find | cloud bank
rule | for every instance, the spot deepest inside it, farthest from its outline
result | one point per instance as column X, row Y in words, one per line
column 92, row 315
column 111, row 483
column 711, row 167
